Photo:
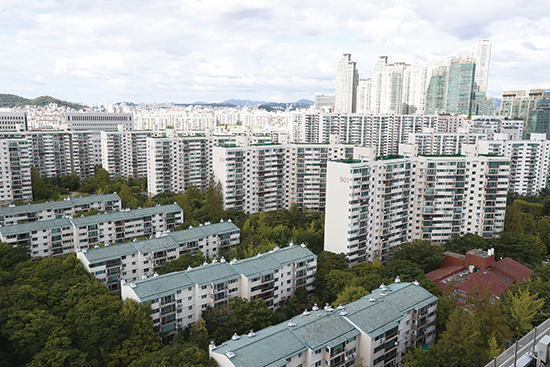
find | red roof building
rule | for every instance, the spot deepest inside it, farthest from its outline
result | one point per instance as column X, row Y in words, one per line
column 478, row 269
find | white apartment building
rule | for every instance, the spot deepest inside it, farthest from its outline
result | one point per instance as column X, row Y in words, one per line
column 178, row 298
column 451, row 124
column 65, row 235
column 13, row 121
column 384, row 133
column 529, row 161
column 374, row 204
column 492, row 125
column 265, row 177
column 131, row 261
column 174, row 163
column 56, row 153
column 375, row 330
column 434, row 143
column 124, row 153
column 12, row 214
column 96, row 122
column 15, row 171
column 347, row 77
column 481, row 52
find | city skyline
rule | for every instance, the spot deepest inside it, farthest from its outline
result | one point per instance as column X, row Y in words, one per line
column 276, row 51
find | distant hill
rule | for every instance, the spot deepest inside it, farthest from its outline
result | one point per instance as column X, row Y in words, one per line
column 11, row 100
column 243, row 102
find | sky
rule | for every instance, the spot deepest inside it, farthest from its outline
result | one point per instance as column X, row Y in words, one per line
column 97, row 51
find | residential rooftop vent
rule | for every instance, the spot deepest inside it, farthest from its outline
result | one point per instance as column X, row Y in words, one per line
column 235, row 337
column 416, row 282
column 328, row 308
column 230, row 354
column 222, row 260
column 397, row 279
column 306, row 312
column 372, row 299
column 291, row 323
column 132, row 285
column 251, row 334
column 343, row 313
column 340, row 307
column 315, row 307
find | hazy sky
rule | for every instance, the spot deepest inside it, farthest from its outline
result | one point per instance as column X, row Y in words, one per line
column 190, row 50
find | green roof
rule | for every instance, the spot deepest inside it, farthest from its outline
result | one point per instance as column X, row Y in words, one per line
column 375, row 318
column 34, row 226
column 389, row 157
column 125, row 215
column 271, row 346
column 442, row 155
column 61, row 204
column 222, row 271
column 266, row 263
column 149, row 289
column 169, row 241
column 192, row 234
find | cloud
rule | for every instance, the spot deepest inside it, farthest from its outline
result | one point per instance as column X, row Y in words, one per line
column 215, row 50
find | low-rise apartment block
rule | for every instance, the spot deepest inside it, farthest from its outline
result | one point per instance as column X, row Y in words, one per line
column 131, row 261
column 12, row 214
column 375, row 330
column 178, row 298
column 376, row 203
column 65, row 235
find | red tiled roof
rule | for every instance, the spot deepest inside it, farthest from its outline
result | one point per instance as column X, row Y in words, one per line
column 513, row 269
column 498, row 283
column 442, row 273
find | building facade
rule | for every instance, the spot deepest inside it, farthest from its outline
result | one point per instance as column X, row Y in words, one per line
column 376, row 203
column 375, row 330
column 124, row 153
column 12, row 214
column 15, row 170
column 178, row 298
column 347, row 78
column 131, row 261
column 65, row 235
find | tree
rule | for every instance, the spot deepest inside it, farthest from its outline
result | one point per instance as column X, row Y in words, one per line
column 71, row 182
column 182, row 263
column 465, row 243
column 520, row 247
column 421, row 253
column 521, row 307
column 349, row 294
column 238, row 316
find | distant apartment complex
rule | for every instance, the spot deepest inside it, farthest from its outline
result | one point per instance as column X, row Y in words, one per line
column 433, row 143
column 12, row 214
column 132, row 261
column 178, row 298
column 65, row 235
column 375, row 330
column 532, row 107
column 13, row 121
column 374, row 204
column 381, row 132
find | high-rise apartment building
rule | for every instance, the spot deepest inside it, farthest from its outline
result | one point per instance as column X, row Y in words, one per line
column 177, row 162
column 347, row 77
column 324, row 102
column 56, row 153
column 124, row 153
column 529, row 161
column 15, row 170
column 376, row 203
column 460, row 87
column 179, row 298
column 384, row 133
column 533, row 108
column 481, row 53
column 265, row 177
column 375, row 330
column 96, row 123
column 436, row 143
column 364, row 96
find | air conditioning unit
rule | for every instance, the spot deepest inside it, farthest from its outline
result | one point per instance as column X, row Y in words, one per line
column 541, row 349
